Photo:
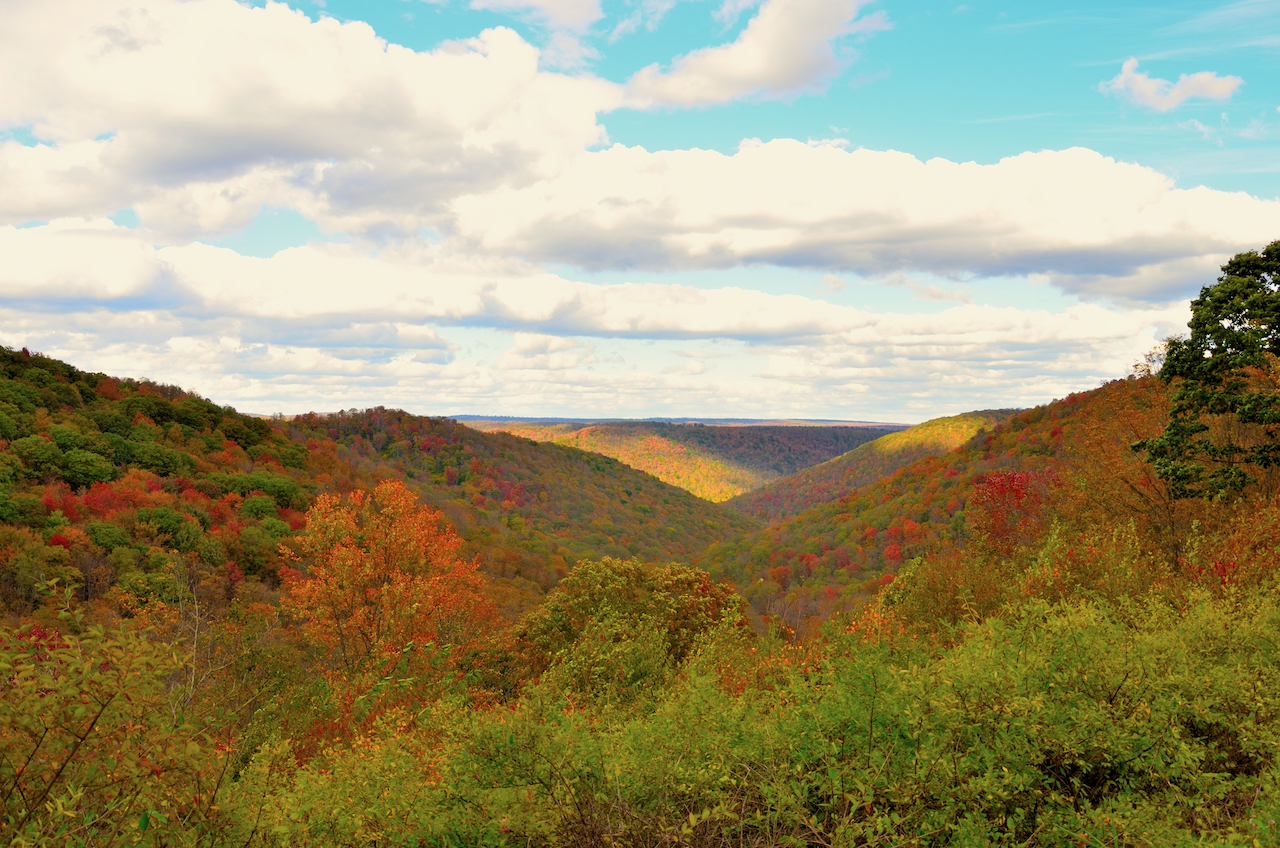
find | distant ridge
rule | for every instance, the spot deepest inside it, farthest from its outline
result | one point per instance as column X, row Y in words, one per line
column 840, row 476
column 711, row 422
column 713, row 461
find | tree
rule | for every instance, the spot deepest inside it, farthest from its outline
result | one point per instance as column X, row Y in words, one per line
column 384, row 572
column 1226, row 407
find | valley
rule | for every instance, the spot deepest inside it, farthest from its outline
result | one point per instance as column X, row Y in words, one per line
column 373, row 626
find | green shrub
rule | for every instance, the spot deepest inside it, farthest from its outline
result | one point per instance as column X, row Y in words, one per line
column 107, row 536
column 281, row 488
column 258, row 506
column 38, row 454
column 66, row 438
column 82, row 468
column 162, row 460
column 182, row 532
column 274, row 527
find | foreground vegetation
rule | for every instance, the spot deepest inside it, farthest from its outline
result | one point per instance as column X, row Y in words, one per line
column 1086, row 656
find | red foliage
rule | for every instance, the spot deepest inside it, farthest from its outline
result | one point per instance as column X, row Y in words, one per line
column 60, row 497
column 1007, row 507
column 108, row 389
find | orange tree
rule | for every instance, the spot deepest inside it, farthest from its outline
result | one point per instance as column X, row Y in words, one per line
column 383, row 573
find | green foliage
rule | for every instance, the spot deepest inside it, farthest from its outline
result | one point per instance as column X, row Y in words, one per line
column 1133, row 725
column 23, row 509
column 162, row 460
column 1226, row 411
column 107, row 536
column 280, row 488
column 614, row 628
column 39, row 455
column 82, row 468
column 90, row 752
column 258, row 506
column 180, row 531
column 8, row 429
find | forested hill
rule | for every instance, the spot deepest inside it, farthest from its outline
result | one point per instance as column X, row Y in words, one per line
column 838, row 477
column 114, row 483
column 529, row 509
column 826, row 556
column 712, row 461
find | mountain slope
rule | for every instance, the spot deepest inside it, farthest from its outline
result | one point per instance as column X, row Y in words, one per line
column 838, row 477
column 528, row 509
column 813, row 562
column 714, row 462
column 136, row 487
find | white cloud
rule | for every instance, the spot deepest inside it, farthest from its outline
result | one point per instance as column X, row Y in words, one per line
column 330, row 326
column 648, row 14
column 540, row 352
column 830, row 284
column 575, row 15
column 197, row 113
column 787, row 48
column 1098, row 227
column 1162, row 95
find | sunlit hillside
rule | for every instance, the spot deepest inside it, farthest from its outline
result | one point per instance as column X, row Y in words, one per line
column 714, row 462
column 838, row 477
column 821, row 558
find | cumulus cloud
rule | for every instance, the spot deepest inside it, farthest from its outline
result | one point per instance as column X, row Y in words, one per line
column 197, row 113
column 540, row 352
column 1096, row 226
column 787, row 48
column 327, row 326
column 1162, row 95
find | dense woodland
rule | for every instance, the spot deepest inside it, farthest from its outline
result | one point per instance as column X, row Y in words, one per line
column 372, row 628
column 713, row 462
column 840, row 476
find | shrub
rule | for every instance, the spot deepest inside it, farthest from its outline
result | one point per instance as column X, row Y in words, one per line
column 258, row 506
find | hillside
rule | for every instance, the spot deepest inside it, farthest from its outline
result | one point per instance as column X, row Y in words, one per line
column 820, row 559
column 837, row 477
column 714, row 462
column 113, row 483
column 529, row 509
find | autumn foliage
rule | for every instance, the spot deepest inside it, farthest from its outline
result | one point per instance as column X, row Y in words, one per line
column 382, row 571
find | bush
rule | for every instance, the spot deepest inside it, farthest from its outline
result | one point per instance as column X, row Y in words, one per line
column 182, row 532
column 82, row 468
column 162, row 460
column 108, row 536
column 258, row 506
column 38, row 454
column 282, row 489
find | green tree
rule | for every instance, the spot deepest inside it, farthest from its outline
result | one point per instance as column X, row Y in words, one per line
column 1226, row 407
column 83, row 468
column 40, row 455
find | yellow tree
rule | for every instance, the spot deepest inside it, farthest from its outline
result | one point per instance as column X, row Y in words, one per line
column 384, row 571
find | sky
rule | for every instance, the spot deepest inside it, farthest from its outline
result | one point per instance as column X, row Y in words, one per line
column 820, row 209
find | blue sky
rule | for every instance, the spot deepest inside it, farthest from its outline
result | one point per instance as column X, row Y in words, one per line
column 786, row 208
column 971, row 81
